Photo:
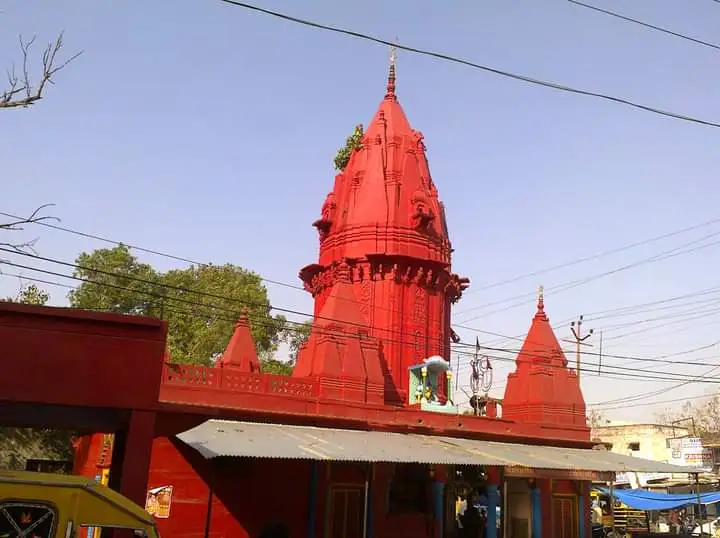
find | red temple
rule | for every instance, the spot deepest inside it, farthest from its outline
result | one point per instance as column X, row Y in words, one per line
column 364, row 440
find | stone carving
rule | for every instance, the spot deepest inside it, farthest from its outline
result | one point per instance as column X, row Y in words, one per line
column 422, row 214
column 327, row 216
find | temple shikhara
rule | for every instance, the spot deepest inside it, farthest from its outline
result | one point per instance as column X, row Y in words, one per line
column 365, row 439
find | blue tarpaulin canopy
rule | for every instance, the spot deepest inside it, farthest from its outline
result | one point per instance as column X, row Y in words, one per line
column 641, row 499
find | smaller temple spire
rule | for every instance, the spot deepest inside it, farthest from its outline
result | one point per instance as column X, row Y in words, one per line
column 390, row 94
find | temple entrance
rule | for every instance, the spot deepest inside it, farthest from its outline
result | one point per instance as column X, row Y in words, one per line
column 466, row 503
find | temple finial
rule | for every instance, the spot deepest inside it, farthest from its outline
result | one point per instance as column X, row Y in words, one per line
column 541, row 299
column 390, row 94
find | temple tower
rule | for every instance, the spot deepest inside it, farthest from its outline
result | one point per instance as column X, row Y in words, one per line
column 383, row 227
column 542, row 389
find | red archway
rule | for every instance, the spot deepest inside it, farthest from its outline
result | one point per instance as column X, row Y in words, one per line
column 89, row 371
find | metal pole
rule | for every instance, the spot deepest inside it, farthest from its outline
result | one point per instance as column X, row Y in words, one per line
column 699, row 499
column 579, row 339
column 366, row 502
column 504, row 510
column 612, row 505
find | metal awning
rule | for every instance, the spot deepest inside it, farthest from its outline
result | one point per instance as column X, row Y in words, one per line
column 217, row 438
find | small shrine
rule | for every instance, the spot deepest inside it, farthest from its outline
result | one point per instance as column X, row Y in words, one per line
column 430, row 385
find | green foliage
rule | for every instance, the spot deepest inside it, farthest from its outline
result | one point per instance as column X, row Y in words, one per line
column 296, row 335
column 277, row 367
column 199, row 324
column 353, row 142
column 30, row 295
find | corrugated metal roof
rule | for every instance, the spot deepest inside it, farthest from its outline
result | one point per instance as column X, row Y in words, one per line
column 216, row 438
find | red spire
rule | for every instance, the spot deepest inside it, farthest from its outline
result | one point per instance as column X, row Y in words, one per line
column 542, row 388
column 240, row 353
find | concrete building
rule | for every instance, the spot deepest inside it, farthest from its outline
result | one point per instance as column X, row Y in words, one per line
column 649, row 441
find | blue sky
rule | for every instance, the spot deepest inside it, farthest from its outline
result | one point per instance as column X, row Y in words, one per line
column 208, row 132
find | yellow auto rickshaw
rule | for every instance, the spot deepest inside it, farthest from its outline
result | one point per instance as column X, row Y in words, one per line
column 40, row 505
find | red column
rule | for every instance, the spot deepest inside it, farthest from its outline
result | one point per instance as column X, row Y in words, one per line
column 134, row 466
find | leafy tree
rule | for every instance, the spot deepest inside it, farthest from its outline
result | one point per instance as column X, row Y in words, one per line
column 296, row 335
column 30, row 295
column 277, row 367
column 200, row 304
column 353, row 142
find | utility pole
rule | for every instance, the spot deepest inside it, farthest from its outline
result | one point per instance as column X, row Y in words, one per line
column 576, row 328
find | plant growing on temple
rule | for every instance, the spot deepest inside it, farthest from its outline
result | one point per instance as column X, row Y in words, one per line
column 200, row 303
column 353, row 142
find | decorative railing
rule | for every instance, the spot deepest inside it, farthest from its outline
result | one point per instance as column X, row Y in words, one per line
column 203, row 377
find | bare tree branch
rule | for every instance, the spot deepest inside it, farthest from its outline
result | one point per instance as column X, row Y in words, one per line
column 21, row 91
column 18, row 225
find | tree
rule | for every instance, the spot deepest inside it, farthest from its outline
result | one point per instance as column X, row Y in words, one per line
column 17, row 224
column 30, row 294
column 703, row 416
column 200, row 303
column 596, row 418
column 296, row 335
column 21, row 92
column 353, row 142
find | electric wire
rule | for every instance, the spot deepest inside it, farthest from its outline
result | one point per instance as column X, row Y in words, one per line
column 590, row 257
column 559, row 288
column 621, row 370
column 645, row 24
column 588, row 317
column 467, row 63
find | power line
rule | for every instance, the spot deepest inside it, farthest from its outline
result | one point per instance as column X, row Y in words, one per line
column 136, row 247
column 445, row 57
column 621, row 369
column 527, row 275
column 677, row 251
column 592, row 256
column 646, row 25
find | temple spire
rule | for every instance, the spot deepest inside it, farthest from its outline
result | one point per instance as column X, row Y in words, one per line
column 390, row 94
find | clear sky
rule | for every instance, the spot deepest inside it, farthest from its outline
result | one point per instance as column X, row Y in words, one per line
column 208, row 132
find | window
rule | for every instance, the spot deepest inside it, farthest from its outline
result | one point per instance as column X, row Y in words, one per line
column 634, row 446
column 20, row 519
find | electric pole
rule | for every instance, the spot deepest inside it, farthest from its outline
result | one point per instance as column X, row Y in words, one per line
column 576, row 328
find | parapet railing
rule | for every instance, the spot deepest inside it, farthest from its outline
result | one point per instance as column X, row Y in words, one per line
column 204, row 377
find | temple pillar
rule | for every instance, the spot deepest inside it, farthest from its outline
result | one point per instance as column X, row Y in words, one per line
column 493, row 501
column 582, row 517
column 131, row 457
column 536, row 500
column 439, row 500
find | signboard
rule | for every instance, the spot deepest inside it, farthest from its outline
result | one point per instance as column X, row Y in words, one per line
column 559, row 474
column 689, row 451
column 158, row 501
